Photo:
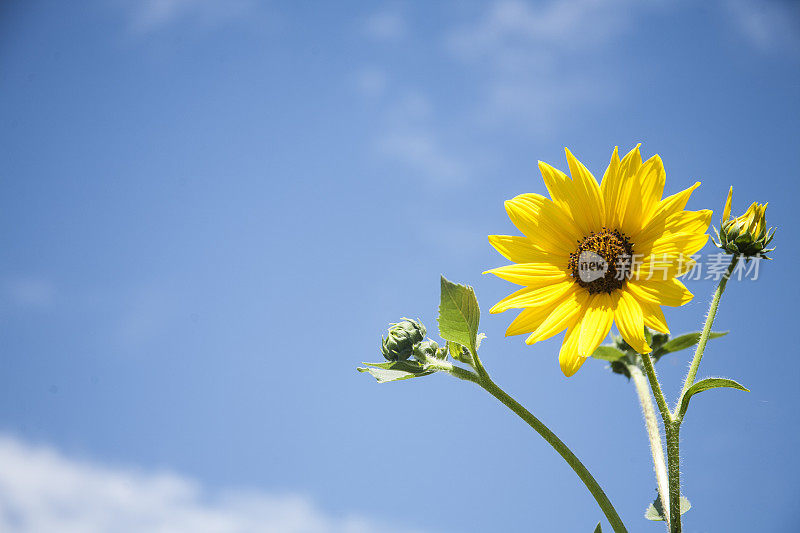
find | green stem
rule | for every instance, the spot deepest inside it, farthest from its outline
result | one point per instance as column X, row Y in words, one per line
column 674, row 458
column 661, row 401
column 484, row 381
column 672, row 420
column 701, row 345
column 651, row 424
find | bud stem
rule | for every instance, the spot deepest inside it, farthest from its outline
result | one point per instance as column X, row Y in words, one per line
column 672, row 420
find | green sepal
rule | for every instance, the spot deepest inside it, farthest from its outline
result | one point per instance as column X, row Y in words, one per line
column 681, row 343
column 608, row 353
column 459, row 314
column 704, row 385
column 598, row 529
column 655, row 511
column 395, row 370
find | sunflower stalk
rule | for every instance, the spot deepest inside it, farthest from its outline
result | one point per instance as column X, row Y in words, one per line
column 482, row 379
column 673, row 419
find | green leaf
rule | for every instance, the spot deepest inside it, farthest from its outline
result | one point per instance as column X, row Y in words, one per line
column 598, row 529
column 655, row 511
column 684, row 341
column 704, row 385
column 459, row 314
column 608, row 353
column 395, row 370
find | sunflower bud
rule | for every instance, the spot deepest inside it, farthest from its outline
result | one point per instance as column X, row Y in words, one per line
column 746, row 234
column 427, row 350
column 399, row 344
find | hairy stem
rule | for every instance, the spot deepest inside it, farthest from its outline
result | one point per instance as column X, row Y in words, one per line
column 654, row 434
column 701, row 345
column 674, row 458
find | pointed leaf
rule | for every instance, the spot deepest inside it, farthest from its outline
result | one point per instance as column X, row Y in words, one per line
column 598, row 529
column 655, row 511
column 685, row 341
column 395, row 370
column 608, row 353
column 704, row 385
column 459, row 314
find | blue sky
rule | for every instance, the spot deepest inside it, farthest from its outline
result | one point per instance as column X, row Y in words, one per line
column 211, row 210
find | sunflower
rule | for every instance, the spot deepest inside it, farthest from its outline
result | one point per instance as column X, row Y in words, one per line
column 593, row 255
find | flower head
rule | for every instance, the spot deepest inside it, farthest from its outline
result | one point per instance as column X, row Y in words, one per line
column 746, row 234
column 593, row 255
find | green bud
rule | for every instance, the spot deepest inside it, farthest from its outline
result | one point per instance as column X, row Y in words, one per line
column 399, row 344
column 427, row 350
column 746, row 234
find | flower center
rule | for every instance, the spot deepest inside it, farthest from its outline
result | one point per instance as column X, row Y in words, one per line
column 602, row 261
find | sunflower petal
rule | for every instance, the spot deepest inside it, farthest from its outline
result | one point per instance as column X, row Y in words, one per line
column 531, row 274
column 595, row 324
column 630, row 322
column 654, row 316
column 517, row 249
column 568, row 357
column 588, row 194
column 530, row 319
column 564, row 314
column 544, row 223
column 532, row 297
column 670, row 292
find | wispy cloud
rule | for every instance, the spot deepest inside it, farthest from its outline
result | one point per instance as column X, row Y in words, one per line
column 151, row 15
column 767, row 24
column 388, row 24
column 41, row 489
column 538, row 59
column 410, row 138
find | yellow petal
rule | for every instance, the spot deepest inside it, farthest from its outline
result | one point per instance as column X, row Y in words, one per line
column 644, row 195
column 654, row 316
column 532, row 297
column 726, row 213
column 544, row 223
column 563, row 315
column 587, row 193
column 595, row 324
column 686, row 222
column 531, row 274
column 663, row 266
column 630, row 321
column 618, row 186
column 678, row 243
column 568, row 357
column 530, row 319
column 517, row 249
column 666, row 207
column 669, row 292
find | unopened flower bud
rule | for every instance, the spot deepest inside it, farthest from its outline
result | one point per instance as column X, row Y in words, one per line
column 427, row 350
column 399, row 344
column 746, row 234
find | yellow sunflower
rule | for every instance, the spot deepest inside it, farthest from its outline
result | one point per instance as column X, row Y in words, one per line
column 596, row 254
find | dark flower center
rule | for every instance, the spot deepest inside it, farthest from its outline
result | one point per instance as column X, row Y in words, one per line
column 602, row 262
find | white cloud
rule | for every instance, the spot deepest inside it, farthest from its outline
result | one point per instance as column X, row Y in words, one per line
column 767, row 24
column 539, row 60
column 152, row 15
column 386, row 25
column 30, row 292
column 371, row 81
column 43, row 490
column 410, row 138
